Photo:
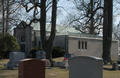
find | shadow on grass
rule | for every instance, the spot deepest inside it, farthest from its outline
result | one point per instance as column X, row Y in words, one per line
column 109, row 69
column 5, row 68
column 105, row 68
column 1, row 64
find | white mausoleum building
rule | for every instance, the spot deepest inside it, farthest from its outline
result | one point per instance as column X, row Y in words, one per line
column 72, row 39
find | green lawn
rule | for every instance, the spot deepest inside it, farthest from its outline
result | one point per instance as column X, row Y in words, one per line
column 5, row 73
column 54, row 72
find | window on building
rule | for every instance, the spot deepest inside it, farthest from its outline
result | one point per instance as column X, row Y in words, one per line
column 22, row 47
column 86, row 45
column 22, row 38
column 79, row 44
column 82, row 44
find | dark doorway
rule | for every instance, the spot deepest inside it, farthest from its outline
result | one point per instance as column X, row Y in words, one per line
column 22, row 48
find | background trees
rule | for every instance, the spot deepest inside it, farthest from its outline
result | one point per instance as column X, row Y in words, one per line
column 8, row 43
column 44, row 6
column 89, row 18
column 92, row 15
column 89, row 15
column 10, row 14
column 116, row 31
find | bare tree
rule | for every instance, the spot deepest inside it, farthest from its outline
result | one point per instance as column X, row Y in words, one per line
column 44, row 6
column 10, row 14
column 89, row 15
column 116, row 33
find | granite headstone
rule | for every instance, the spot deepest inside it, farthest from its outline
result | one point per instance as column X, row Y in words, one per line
column 40, row 54
column 31, row 68
column 86, row 67
column 14, row 58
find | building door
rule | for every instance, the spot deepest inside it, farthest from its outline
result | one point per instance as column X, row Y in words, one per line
column 22, row 47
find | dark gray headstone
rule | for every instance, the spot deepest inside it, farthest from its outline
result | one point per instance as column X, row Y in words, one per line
column 40, row 54
column 86, row 67
column 115, row 66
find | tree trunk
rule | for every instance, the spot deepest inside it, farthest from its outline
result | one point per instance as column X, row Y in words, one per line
column 3, row 16
column 92, row 19
column 107, row 30
column 7, row 16
column 47, row 47
column 48, row 43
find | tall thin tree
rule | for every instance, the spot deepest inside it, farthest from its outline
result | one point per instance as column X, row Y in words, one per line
column 7, row 15
column 107, row 30
column 47, row 44
column 3, row 15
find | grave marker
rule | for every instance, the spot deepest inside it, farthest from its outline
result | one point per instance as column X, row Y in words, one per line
column 47, row 62
column 86, row 67
column 40, row 54
column 14, row 58
column 31, row 68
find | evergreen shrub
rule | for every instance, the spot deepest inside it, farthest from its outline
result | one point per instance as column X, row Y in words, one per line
column 34, row 50
column 58, row 52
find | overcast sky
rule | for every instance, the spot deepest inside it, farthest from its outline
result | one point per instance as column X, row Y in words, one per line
column 69, row 8
column 69, row 5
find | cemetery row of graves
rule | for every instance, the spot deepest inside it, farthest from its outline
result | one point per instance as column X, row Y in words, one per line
column 54, row 72
column 74, row 67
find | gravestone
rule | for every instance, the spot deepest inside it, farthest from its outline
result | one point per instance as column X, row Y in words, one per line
column 40, row 54
column 86, row 67
column 69, row 55
column 14, row 58
column 57, row 64
column 115, row 66
column 65, row 64
column 47, row 62
column 31, row 68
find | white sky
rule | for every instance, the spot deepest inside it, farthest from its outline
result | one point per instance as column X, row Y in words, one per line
column 69, row 7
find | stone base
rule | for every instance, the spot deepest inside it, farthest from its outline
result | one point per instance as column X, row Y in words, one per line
column 66, row 67
column 115, row 66
column 12, row 66
column 47, row 62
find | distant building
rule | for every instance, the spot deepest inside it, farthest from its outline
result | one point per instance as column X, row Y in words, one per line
column 72, row 39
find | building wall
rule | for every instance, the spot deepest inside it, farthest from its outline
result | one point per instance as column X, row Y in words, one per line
column 27, row 33
column 93, row 47
column 60, row 40
column 72, row 44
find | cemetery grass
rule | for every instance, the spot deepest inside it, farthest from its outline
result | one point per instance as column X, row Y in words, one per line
column 5, row 73
column 54, row 72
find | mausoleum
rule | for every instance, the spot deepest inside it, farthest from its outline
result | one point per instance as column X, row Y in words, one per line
column 72, row 39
